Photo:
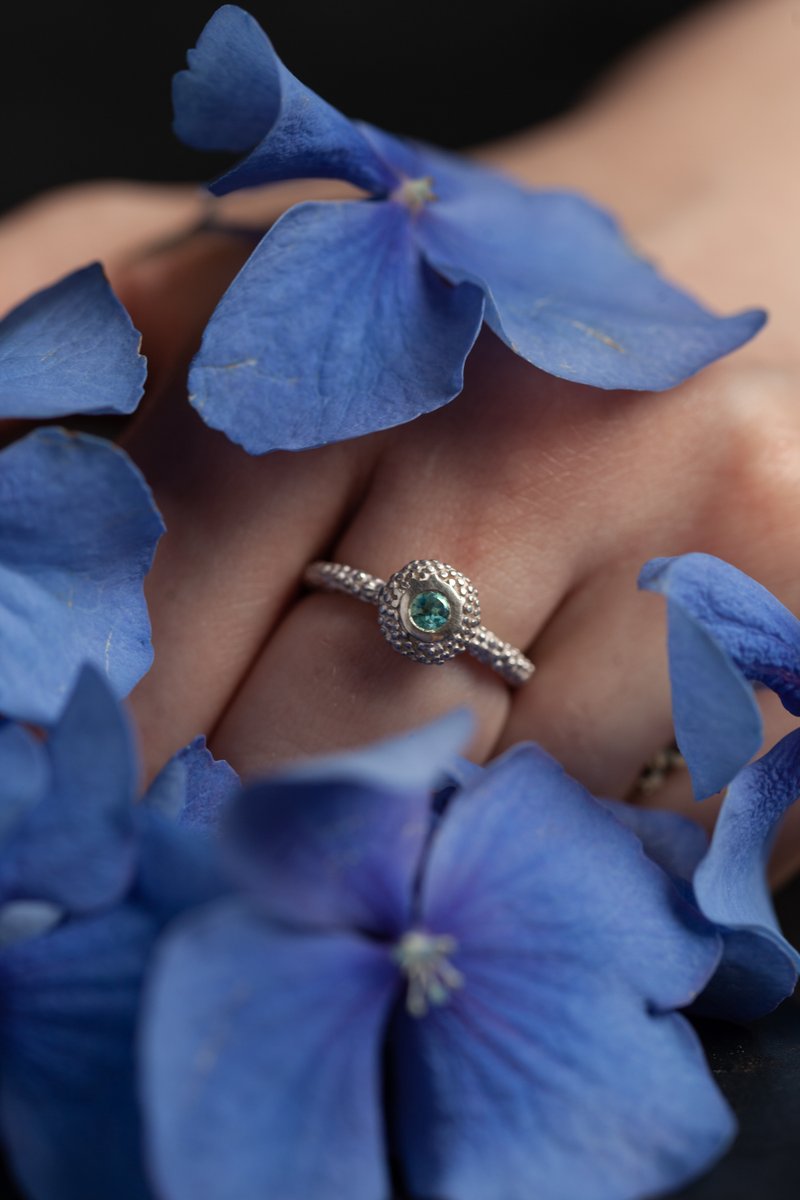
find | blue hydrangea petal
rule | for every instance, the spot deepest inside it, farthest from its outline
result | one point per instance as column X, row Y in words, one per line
column 194, row 788
column 337, row 842
column 179, row 863
column 731, row 882
column 77, row 846
column 24, row 775
column 262, row 1065
column 606, row 1101
column 67, row 1088
column 70, row 348
column 553, row 1070
column 334, row 328
column 754, row 629
column 674, row 842
column 563, row 288
column 754, row 976
column 527, row 838
column 78, row 530
column 237, row 94
column 724, row 629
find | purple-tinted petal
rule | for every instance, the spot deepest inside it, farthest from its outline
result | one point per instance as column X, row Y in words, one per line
column 731, row 884
column 262, row 1061
column 67, row 1089
column 237, row 95
column 334, row 328
column 76, row 847
column 337, row 842
column 563, row 288
column 194, row 788
column 527, row 839
column 550, row 1071
column 24, row 775
column 78, row 530
column 724, row 628
column 70, row 348
column 508, row 1093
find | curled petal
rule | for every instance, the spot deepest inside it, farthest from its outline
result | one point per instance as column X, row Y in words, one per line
column 76, row 847
column 724, row 629
column 563, row 288
column 261, row 1056
column 337, row 842
column 553, row 1069
column 237, row 94
column 334, row 328
column 78, row 530
column 70, row 348
column 67, row 1090
column 731, row 885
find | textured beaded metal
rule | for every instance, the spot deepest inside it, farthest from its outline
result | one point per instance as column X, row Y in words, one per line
column 450, row 623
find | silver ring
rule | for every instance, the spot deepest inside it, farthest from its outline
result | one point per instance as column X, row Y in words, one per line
column 428, row 611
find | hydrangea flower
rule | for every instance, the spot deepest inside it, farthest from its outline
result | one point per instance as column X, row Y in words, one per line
column 78, row 531
column 473, row 1005
column 726, row 634
column 356, row 316
column 87, row 879
column 70, row 348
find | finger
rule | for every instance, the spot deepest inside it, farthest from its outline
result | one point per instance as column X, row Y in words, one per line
column 170, row 292
column 65, row 229
column 601, row 701
column 240, row 530
column 327, row 679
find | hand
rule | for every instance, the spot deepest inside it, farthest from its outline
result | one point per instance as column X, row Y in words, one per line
column 548, row 495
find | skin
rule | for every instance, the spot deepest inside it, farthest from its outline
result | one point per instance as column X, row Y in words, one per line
column 549, row 495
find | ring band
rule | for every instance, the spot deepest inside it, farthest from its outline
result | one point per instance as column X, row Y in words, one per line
column 427, row 611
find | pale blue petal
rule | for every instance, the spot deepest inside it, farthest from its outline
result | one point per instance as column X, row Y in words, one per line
column 70, row 348
column 337, row 842
column 334, row 328
column 563, row 288
column 262, row 1061
column 78, row 530
column 553, row 1071
column 724, row 629
column 67, row 1085
column 237, row 95
column 77, row 846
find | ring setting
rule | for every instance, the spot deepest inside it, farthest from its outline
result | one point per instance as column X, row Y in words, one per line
column 427, row 611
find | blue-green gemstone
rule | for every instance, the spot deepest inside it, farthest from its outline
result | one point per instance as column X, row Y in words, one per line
column 429, row 611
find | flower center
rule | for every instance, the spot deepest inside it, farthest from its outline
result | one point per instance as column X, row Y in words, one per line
column 416, row 193
column 423, row 959
column 429, row 611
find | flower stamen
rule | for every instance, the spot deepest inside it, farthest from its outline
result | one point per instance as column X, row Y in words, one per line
column 424, row 959
column 416, row 193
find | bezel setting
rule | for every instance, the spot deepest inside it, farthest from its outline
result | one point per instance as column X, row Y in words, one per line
column 399, row 592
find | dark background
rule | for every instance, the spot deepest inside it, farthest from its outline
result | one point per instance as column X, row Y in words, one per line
column 84, row 93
